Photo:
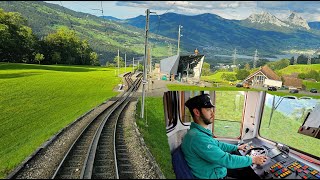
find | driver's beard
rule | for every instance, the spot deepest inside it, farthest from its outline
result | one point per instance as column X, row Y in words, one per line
column 204, row 119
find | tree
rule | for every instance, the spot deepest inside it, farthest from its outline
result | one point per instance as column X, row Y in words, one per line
column 283, row 63
column 228, row 77
column 39, row 57
column 242, row 74
column 302, row 59
column 292, row 60
column 74, row 51
column 94, row 59
column 17, row 41
column 247, row 67
column 205, row 69
column 313, row 74
column 108, row 64
column 121, row 61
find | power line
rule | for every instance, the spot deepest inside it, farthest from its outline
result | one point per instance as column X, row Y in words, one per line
column 105, row 24
column 67, row 16
column 104, row 21
column 159, row 21
column 170, row 7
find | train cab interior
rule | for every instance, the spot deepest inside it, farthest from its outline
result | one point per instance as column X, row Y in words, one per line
column 284, row 128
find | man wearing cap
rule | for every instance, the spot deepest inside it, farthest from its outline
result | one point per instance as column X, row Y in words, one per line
column 207, row 157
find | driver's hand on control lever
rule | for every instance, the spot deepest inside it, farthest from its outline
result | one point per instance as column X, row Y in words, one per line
column 259, row 160
column 243, row 147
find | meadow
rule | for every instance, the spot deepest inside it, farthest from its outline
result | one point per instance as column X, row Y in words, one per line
column 216, row 77
column 301, row 68
column 37, row 101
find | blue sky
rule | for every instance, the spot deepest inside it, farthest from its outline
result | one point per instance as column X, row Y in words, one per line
column 309, row 10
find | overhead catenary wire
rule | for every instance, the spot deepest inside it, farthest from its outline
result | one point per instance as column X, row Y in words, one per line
column 67, row 17
column 159, row 21
column 105, row 24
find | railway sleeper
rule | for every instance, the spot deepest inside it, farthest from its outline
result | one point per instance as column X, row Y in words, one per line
column 104, row 156
column 103, row 176
column 102, row 169
column 121, row 156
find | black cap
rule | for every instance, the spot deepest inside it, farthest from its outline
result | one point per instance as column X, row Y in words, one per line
column 200, row 101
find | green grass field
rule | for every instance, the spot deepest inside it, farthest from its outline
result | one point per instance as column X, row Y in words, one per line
column 153, row 129
column 310, row 85
column 36, row 101
column 301, row 68
column 284, row 129
column 216, row 77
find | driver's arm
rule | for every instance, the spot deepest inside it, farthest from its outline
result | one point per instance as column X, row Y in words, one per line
column 227, row 147
column 210, row 151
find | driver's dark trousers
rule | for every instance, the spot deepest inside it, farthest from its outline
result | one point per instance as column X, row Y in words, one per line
column 241, row 173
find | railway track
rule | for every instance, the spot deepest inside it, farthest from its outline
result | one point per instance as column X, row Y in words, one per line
column 86, row 156
column 93, row 154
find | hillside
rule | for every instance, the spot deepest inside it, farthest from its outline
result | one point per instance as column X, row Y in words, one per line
column 302, row 68
column 104, row 36
column 315, row 25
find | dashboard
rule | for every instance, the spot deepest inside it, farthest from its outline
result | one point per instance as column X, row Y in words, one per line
column 281, row 164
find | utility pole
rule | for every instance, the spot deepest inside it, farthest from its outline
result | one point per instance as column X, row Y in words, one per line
column 255, row 59
column 150, row 60
column 118, row 61
column 188, row 72
column 295, row 60
column 179, row 39
column 235, row 56
column 170, row 50
column 125, row 62
column 145, row 63
column 309, row 59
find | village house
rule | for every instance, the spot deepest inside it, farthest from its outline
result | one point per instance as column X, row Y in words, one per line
column 264, row 77
column 292, row 82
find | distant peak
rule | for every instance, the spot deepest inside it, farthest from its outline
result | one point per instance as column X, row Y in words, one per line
column 297, row 20
column 265, row 17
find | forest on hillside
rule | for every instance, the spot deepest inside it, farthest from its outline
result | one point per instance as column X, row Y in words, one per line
column 19, row 44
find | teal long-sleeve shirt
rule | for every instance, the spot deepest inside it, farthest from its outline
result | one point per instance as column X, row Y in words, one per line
column 207, row 157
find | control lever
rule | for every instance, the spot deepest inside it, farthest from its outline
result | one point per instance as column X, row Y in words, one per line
column 285, row 149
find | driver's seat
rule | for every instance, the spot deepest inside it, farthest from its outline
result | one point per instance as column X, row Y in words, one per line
column 180, row 166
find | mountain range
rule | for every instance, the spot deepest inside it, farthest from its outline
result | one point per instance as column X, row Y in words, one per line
column 209, row 33
column 216, row 35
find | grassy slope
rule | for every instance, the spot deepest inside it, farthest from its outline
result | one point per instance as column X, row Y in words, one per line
column 301, row 68
column 155, row 133
column 285, row 130
column 37, row 101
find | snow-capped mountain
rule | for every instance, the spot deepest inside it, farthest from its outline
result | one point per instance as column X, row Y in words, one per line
column 266, row 18
column 297, row 20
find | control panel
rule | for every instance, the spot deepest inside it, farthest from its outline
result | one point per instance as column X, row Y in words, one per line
column 295, row 169
column 280, row 164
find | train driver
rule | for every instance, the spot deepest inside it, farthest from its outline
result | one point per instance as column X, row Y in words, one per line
column 207, row 157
